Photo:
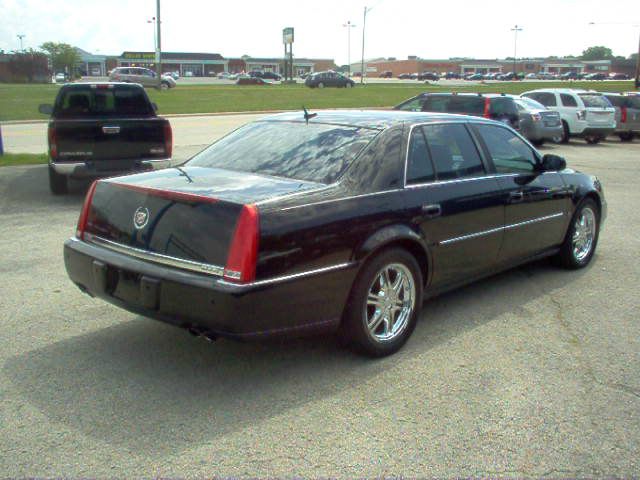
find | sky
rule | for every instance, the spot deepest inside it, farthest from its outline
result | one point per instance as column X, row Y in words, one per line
column 394, row 28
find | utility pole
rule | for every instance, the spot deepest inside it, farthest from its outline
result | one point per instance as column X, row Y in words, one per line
column 349, row 26
column 515, row 31
column 364, row 25
column 158, row 45
column 155, row 41
column 21, row 36
column 637, row 82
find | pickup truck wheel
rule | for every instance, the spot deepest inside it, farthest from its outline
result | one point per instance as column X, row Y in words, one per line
column 565, row 132
column 58, row 184
column 626, row 136
column 321, row 85
column 582, row 237
column 384, row 303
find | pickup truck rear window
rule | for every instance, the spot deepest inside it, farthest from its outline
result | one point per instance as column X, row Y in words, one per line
column 315, row 152
column 88, row 101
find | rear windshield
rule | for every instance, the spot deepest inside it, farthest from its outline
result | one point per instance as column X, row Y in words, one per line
column 530, row 104
column 314, row 152
column 82, row 101
column 454, row 104
column 593, row 100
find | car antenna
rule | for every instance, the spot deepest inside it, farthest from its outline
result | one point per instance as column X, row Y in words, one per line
column 308, row 115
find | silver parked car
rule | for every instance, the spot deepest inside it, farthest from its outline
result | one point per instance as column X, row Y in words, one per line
column 537, row 123
column 627, row 114
column 143, row 76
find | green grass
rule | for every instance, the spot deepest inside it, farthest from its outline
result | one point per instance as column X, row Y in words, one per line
column 20, row 102
column 23, row 159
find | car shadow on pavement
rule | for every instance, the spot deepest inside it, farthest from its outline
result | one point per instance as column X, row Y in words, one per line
column 27, row 188
column 156, row 391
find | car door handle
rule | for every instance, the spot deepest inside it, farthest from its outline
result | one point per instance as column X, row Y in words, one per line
column 431, row 211
column 516, row 196
column 111, row 129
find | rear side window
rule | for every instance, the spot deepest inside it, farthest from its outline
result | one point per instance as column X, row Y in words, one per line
column 413, row 105
column 419, row 165
column 545, row 98
column 98, row 101
column 568, row 100
column 463, row 104
column 593, row 100
column 508, row 152
column 502, row 106
column 617, row 101
column 634, row 102
column 453, row 152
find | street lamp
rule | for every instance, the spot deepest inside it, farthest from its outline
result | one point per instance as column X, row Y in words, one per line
column 364, row 25
column 637, row 79
column 152, row 21
column 349, row 26
column 21, row 36
column 515, row 31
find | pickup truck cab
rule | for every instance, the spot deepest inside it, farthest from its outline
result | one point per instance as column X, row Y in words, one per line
column 104, row 129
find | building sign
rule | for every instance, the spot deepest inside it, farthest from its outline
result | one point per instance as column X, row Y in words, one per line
column 139, row 55
column 287, row 35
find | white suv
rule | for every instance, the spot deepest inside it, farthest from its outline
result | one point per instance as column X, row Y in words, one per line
column 586, row 114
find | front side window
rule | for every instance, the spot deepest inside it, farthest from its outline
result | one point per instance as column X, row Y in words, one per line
column 568, row 100
column 509, row 153
column 453, row 152
column 419, row 166
column 315, row 152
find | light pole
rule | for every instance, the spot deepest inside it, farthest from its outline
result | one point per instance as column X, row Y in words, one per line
column 21, row 36
column 158, row 45
column 349, row 26
column 152, row 21
column 515, row 31
column 637, row 79
column 364, row 25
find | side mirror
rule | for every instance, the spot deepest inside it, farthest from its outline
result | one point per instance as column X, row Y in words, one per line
column 45, row 109
column 553, row 163
column 154, row 106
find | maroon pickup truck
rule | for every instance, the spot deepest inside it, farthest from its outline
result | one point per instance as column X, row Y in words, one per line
column 104, row 129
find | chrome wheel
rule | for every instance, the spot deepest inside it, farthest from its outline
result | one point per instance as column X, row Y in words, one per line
column 390, row 303
column 584, row 234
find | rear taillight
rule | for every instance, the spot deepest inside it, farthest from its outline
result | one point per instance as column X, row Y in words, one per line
column 582, row 114
column 168, row 139
column 487, row 108
column 623, row 114
column 536, row 117
column 84, row 214
column 53, row 142
column 243, row 254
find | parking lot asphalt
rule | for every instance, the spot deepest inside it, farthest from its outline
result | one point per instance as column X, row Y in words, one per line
column 533, row 372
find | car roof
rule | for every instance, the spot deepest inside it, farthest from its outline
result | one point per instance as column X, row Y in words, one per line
column 378, row 119
column 558, row 90
column 84, row 84
column 467, row 94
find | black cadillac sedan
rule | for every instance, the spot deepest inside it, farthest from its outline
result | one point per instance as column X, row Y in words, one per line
column 335, row 221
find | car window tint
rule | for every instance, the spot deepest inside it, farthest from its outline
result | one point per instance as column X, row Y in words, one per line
column 545, row 98
column 84, row 101
column 419, row 166
column 568, row 100
column 453, row 152
column 510, row 154
column 616, row 101
column 531, row 103
column 314, row 152
column 594, row 100
column 633, row 102
column 413, row 105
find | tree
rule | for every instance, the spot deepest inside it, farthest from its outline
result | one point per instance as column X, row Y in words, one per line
column 633, row 56
column 63, row 56
column 597, row 53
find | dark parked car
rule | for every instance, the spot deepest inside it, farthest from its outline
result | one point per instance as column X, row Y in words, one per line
column 386, row 74
column 328, row 79
column 452, row 76
column 339, row 221
column 538, row 124
column 596, row 76
column 494, row 106
column 265, row 75
column 405, row 76
column 246, row 80
column 428, row 76
column 104, row 129
column 569, row 76
column 475, row 76
column 618, row 76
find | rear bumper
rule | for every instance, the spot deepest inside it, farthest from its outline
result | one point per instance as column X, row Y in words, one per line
column 88, row 169
column 599, row 131
column 288, row 306
column 542, row 132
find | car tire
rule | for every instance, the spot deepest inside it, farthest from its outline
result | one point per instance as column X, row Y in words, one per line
column 565, row 132
column 58, row 184
column 365, row 308
column 626, row 136
column 348, row 85
column 539, row 142
column 164, row 86
column 592, row 139
column 582, row 236
column 320, row 85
